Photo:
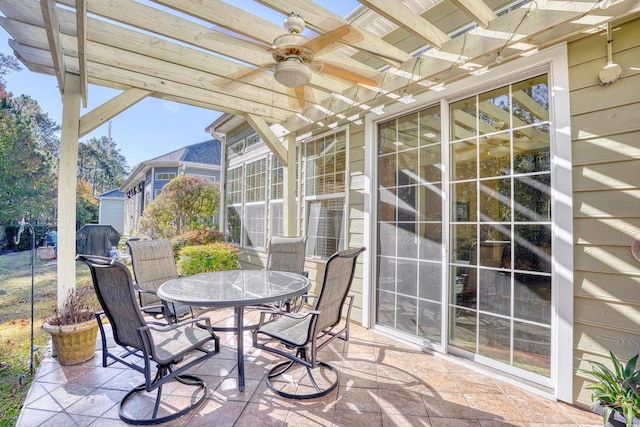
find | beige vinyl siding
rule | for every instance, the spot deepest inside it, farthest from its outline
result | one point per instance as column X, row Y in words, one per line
column 355, row 212
column 605, row 124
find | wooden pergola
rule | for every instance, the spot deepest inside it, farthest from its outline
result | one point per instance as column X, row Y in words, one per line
column 211, row 54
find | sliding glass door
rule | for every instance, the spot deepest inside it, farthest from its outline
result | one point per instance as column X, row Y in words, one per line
column 497, row 198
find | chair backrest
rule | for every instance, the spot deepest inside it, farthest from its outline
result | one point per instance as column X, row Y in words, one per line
column 153, row 264
column 338, row 276
column 287, row 254
column 114, row 288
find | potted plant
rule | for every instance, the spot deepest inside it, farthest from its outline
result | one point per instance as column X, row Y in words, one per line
column 74, row 329
column 616, row 394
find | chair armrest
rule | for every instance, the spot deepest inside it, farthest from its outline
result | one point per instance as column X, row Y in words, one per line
column 143, row 291
column 166, row 328
column 275, row 312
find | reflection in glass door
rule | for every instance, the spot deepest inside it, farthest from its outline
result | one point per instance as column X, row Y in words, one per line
column 409, row 257
column 500, row 226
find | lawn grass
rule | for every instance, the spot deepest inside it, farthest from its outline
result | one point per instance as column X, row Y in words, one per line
column 15, row 324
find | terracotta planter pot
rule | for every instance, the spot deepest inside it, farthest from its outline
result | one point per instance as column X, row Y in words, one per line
column 74, row 343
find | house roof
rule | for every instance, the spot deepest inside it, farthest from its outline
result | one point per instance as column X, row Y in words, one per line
column 215, row 55
column 112, row 194
column 206, row 152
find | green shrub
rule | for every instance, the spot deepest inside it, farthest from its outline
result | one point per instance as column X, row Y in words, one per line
column 205, row 258
column 196, row 238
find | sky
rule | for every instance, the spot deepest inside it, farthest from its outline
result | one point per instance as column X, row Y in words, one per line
column 152, row 127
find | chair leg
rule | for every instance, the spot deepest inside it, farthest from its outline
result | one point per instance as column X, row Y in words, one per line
column 283, row 367
column 190, row 380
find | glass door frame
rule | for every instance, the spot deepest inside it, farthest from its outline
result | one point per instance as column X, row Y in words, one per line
column 554, row 62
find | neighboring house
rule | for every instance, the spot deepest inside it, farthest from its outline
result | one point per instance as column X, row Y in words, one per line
column 497, row 213
column 111, row 209
column 146, row 181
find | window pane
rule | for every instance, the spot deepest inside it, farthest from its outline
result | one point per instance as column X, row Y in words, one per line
column 495, row 336
column 407, row 276
column 531, row 101
column 254, row 225
column 234, row 223
column 495, row 200
column 532, row 248
column 532, row 348
column 532, row 298
column 429, row 320
column 407, row 310
column 532, row 198
column 325, row 227
column 387, row 137
column 463, row 119
column 464, row 160
column 276, row 218
column 408, row 129
column 408, row 172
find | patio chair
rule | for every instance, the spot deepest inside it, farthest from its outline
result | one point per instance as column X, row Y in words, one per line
column 288, row 254
column 305, row 334
column 153, row 264
column 166, row 351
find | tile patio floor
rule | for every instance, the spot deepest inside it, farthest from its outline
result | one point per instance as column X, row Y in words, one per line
column 383, row 383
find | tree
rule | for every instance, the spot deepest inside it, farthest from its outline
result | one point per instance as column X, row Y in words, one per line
column 186, row 203
column 27, row 168
column 86, row 203
column 7, row 65
column 101, row 164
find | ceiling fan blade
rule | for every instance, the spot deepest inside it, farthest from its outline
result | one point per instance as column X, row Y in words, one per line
column 300, row 97
column 240, row 77
column 316, row 44
column 345, row 74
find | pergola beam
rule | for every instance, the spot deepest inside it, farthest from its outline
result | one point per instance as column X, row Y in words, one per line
column 81, row 24
column 273, row 142
column 401, row 15
column 52, row 28
column 110, row 109
column 477, row 10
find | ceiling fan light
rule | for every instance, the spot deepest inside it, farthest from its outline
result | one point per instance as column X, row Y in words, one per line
column 292, row 73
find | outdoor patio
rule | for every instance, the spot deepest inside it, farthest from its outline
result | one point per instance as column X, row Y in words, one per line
column 383, row 382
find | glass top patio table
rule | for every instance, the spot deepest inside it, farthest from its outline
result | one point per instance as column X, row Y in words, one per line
column 237, row 289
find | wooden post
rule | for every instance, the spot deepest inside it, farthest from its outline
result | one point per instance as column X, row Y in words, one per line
column 68, row 167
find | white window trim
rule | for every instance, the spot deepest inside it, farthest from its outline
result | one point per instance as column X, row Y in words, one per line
column 553, row 61
column 305, row 199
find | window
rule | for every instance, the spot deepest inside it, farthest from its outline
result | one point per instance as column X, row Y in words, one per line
column 234, row 204
column 165, row 176
column 325, row 183
column 276, row 203
column 236, row 148
column 253, row 139
column 255, row 201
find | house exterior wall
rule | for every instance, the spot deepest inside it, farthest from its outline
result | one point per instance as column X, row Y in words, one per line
column 606, row 175
column 605, row 160
column 132, row 208
column 112, row 213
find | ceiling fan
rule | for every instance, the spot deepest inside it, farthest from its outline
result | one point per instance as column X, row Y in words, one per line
column 295, row 60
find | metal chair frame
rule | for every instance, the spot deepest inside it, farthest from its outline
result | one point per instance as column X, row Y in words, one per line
column 305, row 334
column 147, row 280
column 152, row 343
column 287, row 253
